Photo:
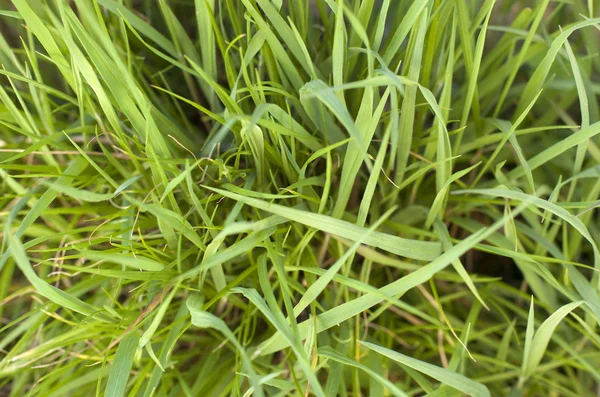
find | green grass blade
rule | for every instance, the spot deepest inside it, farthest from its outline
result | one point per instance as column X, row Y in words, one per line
column 123, row 362
column 542, row 337
column 397, row 245
column 450, row 378
column 331, row 354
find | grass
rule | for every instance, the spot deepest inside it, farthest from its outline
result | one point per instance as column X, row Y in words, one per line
column 272, row 198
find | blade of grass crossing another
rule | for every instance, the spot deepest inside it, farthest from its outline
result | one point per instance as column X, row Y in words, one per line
column 75, row 168
column 203, row 319
column 319, row 90
column 313, row 292
column 442, row 231
column 366, row 121
column 447, row 377
column 283, row 329
column 397, row 288
column 540, row 11
column 436, row 206
column 331, row 354
column 535, row 83
column 505, row 138
column 397, row 245
column 538, row 342
column 408, row 22
column 58, row 296
column 551, row 207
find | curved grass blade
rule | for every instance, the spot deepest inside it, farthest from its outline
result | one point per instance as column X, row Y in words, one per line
column 354, row 307
column 447, row 377
column 203, row 319
column 331, row 354
column 409, row 248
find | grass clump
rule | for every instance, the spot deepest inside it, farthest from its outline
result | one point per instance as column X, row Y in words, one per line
column 270, row 198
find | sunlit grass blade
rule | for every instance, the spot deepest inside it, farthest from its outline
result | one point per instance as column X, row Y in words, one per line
column 123, row 361
column 453, row 379
column 397, row 245
column 336, row 356
column 540, row 340
column 203, row 319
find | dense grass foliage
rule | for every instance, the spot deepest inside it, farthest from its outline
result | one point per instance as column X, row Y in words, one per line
column 272, row 198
